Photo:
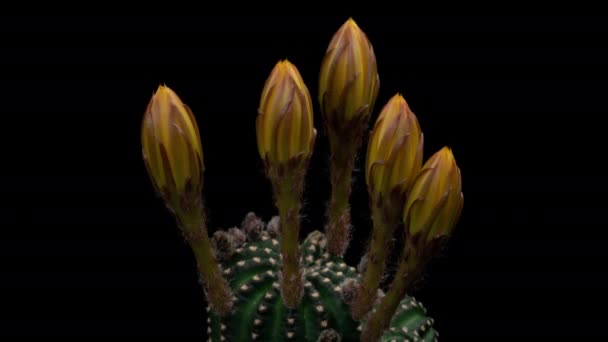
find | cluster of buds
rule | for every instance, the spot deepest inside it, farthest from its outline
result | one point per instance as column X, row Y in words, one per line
column 432, row 208
column 425, row 201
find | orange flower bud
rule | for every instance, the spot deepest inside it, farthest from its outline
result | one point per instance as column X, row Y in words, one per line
column 349, row 81
column 394, row 153
column 172, row 150
column 435, row 200
column 284, row 124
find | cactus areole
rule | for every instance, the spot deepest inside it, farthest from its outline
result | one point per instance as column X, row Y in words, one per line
column 260, row 282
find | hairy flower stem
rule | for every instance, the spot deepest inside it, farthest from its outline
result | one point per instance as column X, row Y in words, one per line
column 193, row 225
column 291, row 280
column 385, row 220
column 342, row 162
column 288, row 190
column 405, row 275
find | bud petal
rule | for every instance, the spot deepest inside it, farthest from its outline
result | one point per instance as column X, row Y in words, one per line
column 284, row 124
column 435, row 201
column 171, row 148
column 394, row 153
column 349, row 81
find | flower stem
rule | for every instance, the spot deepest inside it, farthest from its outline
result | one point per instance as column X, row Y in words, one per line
column 288, row 189
column 218, row 292
column 291, row 278
column 342, row 162
column 405, row 275
column 385, row 221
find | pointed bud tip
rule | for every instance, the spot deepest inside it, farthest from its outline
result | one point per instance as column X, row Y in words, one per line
column 284, row 63
column 164, row 91
column 444, row 156
column 284, row 66
column 396, row 104
column 351, row 29
column 162, row 87
column 399, row 98
column 351, row 23
column 446, row 152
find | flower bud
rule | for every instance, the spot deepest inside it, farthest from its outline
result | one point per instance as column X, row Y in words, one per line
column 284, row 124
column 394, row 153
column 349, row 81
column 172, row 150
column 435, row 201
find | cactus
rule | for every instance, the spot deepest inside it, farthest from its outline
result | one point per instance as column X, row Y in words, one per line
column 252, row 269
column 260, row 282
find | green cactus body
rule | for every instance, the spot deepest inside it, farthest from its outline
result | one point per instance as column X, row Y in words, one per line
column 259, row 313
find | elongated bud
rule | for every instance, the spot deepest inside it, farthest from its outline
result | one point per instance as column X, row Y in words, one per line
column 172, row 150
column 394, row 157
column 348, row 88
column 173, row 156
column 349, row 81
column 286, row 136
column 285, row 117
column 394, row 154
column 435, row 201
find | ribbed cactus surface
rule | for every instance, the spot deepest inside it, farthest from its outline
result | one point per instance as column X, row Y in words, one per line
column 252, row 267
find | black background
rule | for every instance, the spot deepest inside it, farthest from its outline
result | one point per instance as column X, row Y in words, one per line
column 88, row 250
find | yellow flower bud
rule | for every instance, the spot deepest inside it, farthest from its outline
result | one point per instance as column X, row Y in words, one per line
column 349, row 81
column 172, row 150
column 284, row 125
column 394, row 153
column 435, row 201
